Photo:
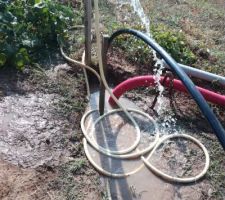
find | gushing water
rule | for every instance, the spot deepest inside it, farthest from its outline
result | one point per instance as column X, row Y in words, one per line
column 159, row 66
column 138, row 9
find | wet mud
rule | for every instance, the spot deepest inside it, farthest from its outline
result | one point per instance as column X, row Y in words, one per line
column 30, row 136
column 177, row 157
column 40, row 154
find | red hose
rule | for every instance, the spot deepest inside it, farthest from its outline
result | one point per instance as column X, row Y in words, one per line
column 148, row 80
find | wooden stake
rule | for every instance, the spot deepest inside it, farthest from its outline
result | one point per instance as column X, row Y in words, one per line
column 105, row 43
column 87, row 23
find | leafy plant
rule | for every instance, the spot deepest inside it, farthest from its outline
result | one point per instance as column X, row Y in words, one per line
column 28, row 25
column 174, row 43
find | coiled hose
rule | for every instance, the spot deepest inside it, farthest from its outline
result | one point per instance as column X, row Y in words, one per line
column 125, row 154
column 191, row 88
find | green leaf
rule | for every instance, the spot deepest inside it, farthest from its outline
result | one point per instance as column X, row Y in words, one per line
column 23, row 51
column 25, row 54
column 2, row 59
column 38, row 1
column 19, row 61
column 27, row 25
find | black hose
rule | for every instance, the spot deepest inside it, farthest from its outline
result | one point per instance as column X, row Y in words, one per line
column 197, row 96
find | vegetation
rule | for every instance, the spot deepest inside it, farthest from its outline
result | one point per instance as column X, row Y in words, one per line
column 202, row 23
column 201, row 42
column 28, row 26
column 172, row 41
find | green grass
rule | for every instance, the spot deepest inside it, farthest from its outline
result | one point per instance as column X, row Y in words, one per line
column 216, row 172
column 202, row 23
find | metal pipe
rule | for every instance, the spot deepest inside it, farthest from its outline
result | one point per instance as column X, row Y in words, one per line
column 201, row 74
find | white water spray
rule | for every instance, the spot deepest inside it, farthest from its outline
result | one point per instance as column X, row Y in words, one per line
column 170, row 121
column 138, row 9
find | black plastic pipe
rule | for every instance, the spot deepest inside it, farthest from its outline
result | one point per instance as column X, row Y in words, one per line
column 199, row 99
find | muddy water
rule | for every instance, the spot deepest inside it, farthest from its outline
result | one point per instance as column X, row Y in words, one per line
column 144, row 185
column 37, row 136
column 30, row 135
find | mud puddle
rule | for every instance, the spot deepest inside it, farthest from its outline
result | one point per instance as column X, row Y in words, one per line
column 30, row 134
column 40, row 139
column 179, row 158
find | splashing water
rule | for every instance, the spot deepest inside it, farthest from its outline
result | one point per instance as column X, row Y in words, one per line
column 159, row 66
column 138, row 9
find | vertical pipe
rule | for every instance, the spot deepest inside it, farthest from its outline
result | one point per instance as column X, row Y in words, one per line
column 87, row 23
column 105, row 43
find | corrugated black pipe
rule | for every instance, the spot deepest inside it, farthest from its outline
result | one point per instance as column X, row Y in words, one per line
column 203, row 105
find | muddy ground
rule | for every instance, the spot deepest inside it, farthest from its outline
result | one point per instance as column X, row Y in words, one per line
column 41, row 156
column 41, row 151
column 179, row 114
column 202, row 22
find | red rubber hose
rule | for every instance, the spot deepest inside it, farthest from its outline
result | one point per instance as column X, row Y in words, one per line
column 146, row 81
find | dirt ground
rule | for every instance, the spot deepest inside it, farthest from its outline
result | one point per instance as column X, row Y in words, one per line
column 203, row 24
column 41, row 155
column 179, row 112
